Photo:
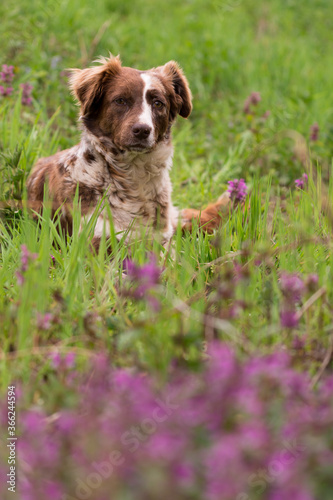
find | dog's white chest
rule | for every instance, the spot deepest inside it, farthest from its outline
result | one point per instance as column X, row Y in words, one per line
column 141, row 202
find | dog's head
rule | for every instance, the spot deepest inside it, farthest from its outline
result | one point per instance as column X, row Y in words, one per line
column 133, row 109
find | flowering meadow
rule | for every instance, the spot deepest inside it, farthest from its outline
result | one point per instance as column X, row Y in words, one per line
column 199, row 371
column 239, row 430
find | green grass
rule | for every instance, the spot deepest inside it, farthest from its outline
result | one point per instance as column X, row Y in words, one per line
column 227, row 50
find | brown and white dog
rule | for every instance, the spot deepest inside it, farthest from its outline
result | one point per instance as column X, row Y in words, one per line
column 125, row 152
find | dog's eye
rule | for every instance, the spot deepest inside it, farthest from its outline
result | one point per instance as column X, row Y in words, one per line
column 120, row 101
column 158, row 104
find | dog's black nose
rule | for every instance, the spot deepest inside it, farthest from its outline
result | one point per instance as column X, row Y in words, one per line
column 141, row 130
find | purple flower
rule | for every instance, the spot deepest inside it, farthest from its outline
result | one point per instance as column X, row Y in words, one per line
column 289, row 319
column 184, row 473
column 55, row 358
column 292, row 286
column 291, row 493
column 69, row 360
column 252, row 100
column 222, row 363
column 235, row 424
column 298, row 342
column 237, row 190
column 301, row 183
column 143, row 279
column 58, row 361
column 26, row 257
column 314, row 132
column 223, row 462
column 165, row 446
column 146, row 276
column 7, row 73
column 6, row 90
column 26, row 93
column 33, row 421
column 20, row 278
column 53, row 490
column 44, row 321
column 66, row 422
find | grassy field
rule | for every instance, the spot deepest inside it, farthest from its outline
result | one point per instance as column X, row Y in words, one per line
column 261, row 285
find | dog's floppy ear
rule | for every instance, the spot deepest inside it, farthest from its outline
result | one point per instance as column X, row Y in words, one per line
column 88, row 84
column 173, row 72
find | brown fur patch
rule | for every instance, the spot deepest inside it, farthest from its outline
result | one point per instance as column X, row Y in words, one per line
column 87, row 195
column 72, row 160
column 61, row 168
column 89, row 157
column 88, row 84
column 172, row 73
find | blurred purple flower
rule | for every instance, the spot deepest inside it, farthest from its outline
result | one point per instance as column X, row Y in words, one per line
column 26, row 257
column 26, row 93
column 53, row 490
column 56, row 359
column 291, row 493
column 69, row 360
column 216, row 433
column 165, row 446
column 6, row 90
column 44, row 321
column 66, row 422
column 237, row 190
column 146, row 276
column 292, row 286
column 314, row 132
column 7, row 73
column 20, row 278
column 298, row 342
column 222, row 363
column 33, row 421
column 289, row 319
column 222, row 463
column 301, row 183
column 255, row 436
column 252, row 100
column 143, row 280
column 184, row 473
